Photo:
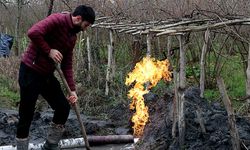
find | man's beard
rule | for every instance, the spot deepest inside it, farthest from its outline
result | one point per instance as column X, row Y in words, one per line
column 76, row 29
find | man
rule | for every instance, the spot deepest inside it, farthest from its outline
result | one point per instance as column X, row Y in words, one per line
column 52, row 42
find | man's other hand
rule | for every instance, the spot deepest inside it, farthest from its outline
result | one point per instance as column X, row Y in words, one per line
column 72, row 98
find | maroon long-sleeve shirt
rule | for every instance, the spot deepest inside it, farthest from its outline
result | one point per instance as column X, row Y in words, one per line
column 54, row 32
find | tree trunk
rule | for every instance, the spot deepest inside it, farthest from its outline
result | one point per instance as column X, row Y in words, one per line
column 51, row 4
column 136, row 51
column 202, row 63
column 17, row 28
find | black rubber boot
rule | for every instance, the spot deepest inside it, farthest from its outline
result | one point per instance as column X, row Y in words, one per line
column 55, row 133
column 22, row 144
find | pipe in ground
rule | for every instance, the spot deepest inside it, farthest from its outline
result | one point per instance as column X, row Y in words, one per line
column 79, row 142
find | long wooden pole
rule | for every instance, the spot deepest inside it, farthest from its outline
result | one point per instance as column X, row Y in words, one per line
column 75, row 106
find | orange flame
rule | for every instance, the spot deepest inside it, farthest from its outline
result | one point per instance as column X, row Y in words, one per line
column 147, row 71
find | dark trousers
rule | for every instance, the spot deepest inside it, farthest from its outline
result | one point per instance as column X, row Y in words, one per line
column 31, row 85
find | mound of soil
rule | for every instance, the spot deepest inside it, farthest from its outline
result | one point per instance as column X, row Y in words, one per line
column 157, row 133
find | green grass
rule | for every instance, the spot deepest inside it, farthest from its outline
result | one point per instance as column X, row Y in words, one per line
column 211, row 95
column 8, row 97
column 235, row 82
column 234, row 78
column 8, row 93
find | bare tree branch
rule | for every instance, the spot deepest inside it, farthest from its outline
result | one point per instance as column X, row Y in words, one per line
column 2, row 2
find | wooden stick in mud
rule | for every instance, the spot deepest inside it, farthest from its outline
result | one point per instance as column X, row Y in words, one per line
column 75, row 106
column 230, row 112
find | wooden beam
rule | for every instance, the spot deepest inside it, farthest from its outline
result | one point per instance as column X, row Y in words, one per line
column 202, row 27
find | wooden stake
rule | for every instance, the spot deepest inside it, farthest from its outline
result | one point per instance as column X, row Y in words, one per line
column 181, row 117
column 79, row 51
column 201, row 121
column 182, row 62
column 231, row 118
column 182, row 84
column 248, row 79
column 175, row 104
column 89, row 57
column 202, row 63
column 112, row 55
column 110, row 50
column 169, row 47
column 149, row 45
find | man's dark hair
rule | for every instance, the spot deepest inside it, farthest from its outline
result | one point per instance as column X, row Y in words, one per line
column 87, row 13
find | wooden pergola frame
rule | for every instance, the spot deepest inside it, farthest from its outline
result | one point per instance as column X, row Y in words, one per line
column 179, row 28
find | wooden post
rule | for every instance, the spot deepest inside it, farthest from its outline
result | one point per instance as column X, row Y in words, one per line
column 149, row 45
column 110, row 60
column 202, row 63
column 113, row 55
column 181, row 117
column 158, row 50
column 175, row 104
column 108, row 70
column 200, row 119
column 231, row 118
column 136, row 50
column 181, row 98
column 182, row 62
column 89, row 58
column 169, row 47
column 248, row 79
column 79, row 52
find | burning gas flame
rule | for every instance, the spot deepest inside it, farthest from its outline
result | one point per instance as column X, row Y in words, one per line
column 145, row 75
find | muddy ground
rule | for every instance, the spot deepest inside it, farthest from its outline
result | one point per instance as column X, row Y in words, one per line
column 93, row 125
column 157, row 134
